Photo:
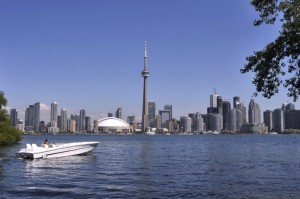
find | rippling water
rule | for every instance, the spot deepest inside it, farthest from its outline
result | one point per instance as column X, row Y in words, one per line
column 140, row 166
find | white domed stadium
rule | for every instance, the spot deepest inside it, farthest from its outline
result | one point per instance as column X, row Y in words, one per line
column 112, row 125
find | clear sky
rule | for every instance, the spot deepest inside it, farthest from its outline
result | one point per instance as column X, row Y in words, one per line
column 89, row 54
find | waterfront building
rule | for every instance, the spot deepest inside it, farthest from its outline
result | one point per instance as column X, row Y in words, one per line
column 82, row 115
column 199, row 125
column 20, row 126
column 226, row 107
column 158, row 121
column 95, row 126
column 288, row 107
column 14, row 117
column 254, row 112
column 145, row 75
column 169, row 108
column 193, row 116
column 112, row 125
column 234, row 120
column 59, row 121
column 216, row 122
column 151, row 114
column 165, row 118
column 220, row 105
column 88, row 123
column 32, row 117
column 53, row 114
column 175, row 126
column 254, row 128
column 213, row 100
column 109, row 115
column 268, row 119
column 278, row 125
column 42, row 126
column 186, row 124
column 130, row 119
column 237, row 102
column 119, row 113
column 64, row 120
column 292, row 119
column 76, row 118
column 71, row 126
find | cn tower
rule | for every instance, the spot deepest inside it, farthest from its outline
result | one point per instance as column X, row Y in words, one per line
column 145, row 74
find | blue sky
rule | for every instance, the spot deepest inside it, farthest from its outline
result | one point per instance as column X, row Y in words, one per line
column 89, row 54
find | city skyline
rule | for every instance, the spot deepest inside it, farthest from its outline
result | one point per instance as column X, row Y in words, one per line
column 89, row 55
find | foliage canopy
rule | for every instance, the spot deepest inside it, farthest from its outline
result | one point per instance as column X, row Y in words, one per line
column 278, row 63
column 8, row 133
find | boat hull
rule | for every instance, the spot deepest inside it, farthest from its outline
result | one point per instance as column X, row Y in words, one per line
column 56, row 150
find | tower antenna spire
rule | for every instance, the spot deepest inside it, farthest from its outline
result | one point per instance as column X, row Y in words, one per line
column 145, row 57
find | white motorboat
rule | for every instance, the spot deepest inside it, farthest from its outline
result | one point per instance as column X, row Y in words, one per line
column 32, row 151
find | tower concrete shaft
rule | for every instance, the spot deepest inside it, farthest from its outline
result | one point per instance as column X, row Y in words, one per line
column 145, row 75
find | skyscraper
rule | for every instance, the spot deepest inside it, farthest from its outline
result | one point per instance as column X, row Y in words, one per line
column 169, row 107
column 226, row 107
column 32, row 117
column 130, row 119
column 119, row 113
column 213, row 100
column 145, row 75
column 278, row 115
column 236, row 102
column 14, row 117
column 53, row 114
column 88, row 123
column 165, row 118
column 268, row 119
column 254, row 112
column 82, row 120
column 151, row 112
column 64, row 120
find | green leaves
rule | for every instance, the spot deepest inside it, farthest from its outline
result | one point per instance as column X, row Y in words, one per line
column 8, row 133
column 269, row 63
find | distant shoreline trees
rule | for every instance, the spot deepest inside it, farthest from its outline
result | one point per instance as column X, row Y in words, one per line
column 8, row 133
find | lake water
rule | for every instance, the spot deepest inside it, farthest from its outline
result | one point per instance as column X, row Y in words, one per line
column 140, row 166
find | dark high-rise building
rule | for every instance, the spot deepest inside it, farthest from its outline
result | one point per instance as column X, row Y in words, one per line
column 278, row 125
column 220, row 105
column 288, row 107
column 88, row 123
column 130, row 119
column 165, row 118
column 169, row 107
column 226, row 107
column 82, row 116
column 145, row 74
column 119, row 113
column 292, row 119
column 236, row 102
column 151, row 113
column 109, row 115
column 14, row 117
column 268, row 120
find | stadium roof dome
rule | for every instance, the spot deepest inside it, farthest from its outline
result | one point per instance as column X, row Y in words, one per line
column 112, row 122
